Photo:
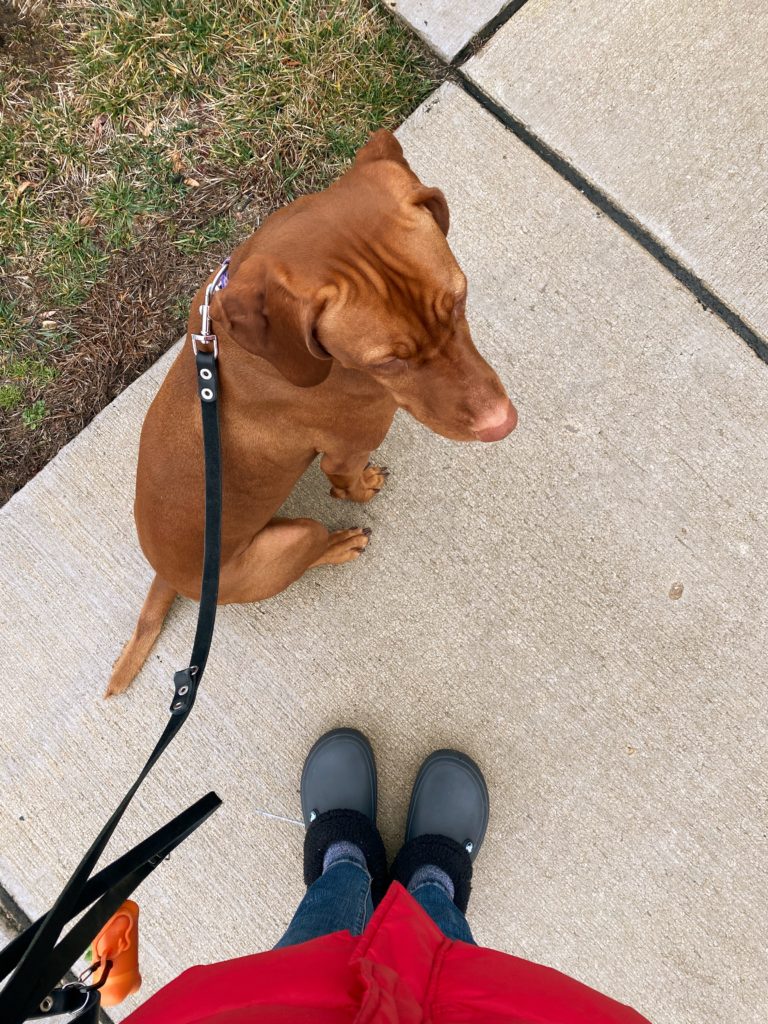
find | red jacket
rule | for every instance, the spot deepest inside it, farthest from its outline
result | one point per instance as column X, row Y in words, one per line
column 402, row 970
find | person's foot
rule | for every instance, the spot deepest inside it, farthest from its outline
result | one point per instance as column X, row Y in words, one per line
column 339, row 774
column 449, row 798
column 338, row 803
column 447, row 820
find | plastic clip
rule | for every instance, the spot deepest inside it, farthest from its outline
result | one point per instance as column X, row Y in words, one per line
column 184, row 690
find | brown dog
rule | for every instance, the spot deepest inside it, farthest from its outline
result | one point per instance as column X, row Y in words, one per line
column 341, row 308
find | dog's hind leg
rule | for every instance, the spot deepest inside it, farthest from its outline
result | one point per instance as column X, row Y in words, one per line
column 151, row 617
column 276, row 557
column 282, row 552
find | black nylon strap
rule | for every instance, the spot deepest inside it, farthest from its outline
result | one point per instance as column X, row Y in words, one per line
column 37, row 973
column 91, row 923
column 152, row 850
column 187, row 680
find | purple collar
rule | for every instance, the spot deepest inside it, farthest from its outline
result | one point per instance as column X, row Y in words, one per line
column 224, row 279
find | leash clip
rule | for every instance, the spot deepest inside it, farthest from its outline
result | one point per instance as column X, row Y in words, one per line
column 205, row 339
column 205, row 336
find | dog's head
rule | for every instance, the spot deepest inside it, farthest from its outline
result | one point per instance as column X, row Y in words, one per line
column 362, row 273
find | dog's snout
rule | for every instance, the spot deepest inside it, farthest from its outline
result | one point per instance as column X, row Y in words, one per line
column 497, row 423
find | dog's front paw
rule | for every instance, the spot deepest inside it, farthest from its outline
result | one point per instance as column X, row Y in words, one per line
column 371, row 481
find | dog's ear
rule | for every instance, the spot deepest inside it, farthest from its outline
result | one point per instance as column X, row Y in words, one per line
column 263, row 311
column 434, row 201
column 382, row 145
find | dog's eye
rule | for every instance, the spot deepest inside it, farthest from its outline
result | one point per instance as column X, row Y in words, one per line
column 390, row 364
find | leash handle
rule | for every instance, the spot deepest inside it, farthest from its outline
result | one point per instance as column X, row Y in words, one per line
column 152, row 851
column 42, row 964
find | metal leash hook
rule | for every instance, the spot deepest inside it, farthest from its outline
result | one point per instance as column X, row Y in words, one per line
column 205, row 337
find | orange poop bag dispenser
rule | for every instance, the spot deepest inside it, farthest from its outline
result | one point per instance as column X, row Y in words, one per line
column 118, row 942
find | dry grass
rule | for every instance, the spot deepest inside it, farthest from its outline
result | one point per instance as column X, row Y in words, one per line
column 140, row 140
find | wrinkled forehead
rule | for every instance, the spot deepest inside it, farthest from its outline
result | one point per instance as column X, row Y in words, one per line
column 375, row 236
column 375, row 312
column 409, row 271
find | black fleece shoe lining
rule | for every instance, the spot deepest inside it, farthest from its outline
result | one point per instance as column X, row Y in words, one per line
column 444, row 853
column 353, row 827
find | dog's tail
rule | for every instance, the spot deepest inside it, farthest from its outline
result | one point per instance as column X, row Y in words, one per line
column 151, row 618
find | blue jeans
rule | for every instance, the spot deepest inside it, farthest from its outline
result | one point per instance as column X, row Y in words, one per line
column 340, row 900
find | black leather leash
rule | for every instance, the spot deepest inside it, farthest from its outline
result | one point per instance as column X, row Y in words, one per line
column 37, row 957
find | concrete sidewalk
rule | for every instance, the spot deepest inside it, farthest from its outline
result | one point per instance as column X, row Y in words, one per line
column 581, row 607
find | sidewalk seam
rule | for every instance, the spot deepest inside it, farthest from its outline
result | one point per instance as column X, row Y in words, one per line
column 686, row 277
column 481, row 37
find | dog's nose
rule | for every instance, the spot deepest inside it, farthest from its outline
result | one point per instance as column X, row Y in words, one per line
column 501, row 421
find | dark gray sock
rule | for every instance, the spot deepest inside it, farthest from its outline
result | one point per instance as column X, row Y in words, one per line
column 429, row 874
column 342, row 850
